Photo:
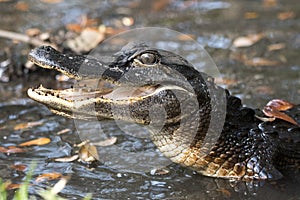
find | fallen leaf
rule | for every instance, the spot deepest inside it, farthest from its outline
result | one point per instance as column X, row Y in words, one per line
column 185, row 37
column 280, row 104
column 44, row 36
column 107, row 142
column 48, row 176
column 11, row 149
column 39, row 142
column 265, row 119
column 88, row 153
column 27, row 125
column 271, row 112
column 63, row 131
column 67, row 159
column 277, row 46
column 273, row 108
column 86, row 41
column 13, row 186
column 160, row 171
column 259, row 62
column 158, row 5
column 21, row 6
column 33, row 32
column 74, row 27
column 110, row 30
column 19, row 167
column 82, row 143
column 286, row 15
column 3, row 149
column 246, row 41
column 51, row 1
column 270, row 3
column 59, row 186
column 225, row 81
column 251, row 15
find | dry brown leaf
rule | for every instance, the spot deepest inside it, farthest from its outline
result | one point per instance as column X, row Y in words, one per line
column 86, row 41
column 33, row 32
column 280, row 104
column 67, row 159
column 19, row 167
column 158, row 5
column 21, row 6
column 226, row 81
column 3, row 149
column 51, row 1
column 26, row 125
column 82, row 143
column 273, row 108
column 63, row 131
column 246, row 41
column 107, row 142
column 48, row 176
column 271, row 112
column 39, row 142
column 270, row 3
column 110, row 30
column 11, row 149
column 286, row 15
column 59, row 186
column 74, row 27
column 88, row 153
column 185, row 37
column 278, row 46
column 251, row 15
column 87, row 22
column 160, row 171
column 265, row 119
column 13, row 186
column 259, row 62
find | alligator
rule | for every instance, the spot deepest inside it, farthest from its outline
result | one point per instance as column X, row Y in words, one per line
column 191, row 119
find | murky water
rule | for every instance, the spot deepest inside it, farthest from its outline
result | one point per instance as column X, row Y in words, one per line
column 215, row 25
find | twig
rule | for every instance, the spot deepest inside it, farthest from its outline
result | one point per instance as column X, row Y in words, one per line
column 22, row 38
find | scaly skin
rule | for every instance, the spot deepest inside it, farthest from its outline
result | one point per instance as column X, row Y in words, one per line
column 244, row 148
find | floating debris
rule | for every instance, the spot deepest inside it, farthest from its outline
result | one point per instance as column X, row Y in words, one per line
column 48, row 176
column 38, row 142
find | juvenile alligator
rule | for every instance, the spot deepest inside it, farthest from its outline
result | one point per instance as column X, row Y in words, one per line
column 140, row 79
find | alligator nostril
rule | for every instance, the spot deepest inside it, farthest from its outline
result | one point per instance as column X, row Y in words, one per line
column 48, row 49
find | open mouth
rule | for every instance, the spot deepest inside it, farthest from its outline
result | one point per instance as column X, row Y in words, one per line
column 82, row 98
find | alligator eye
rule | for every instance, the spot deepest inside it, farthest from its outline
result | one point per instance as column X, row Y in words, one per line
column 148, row 58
